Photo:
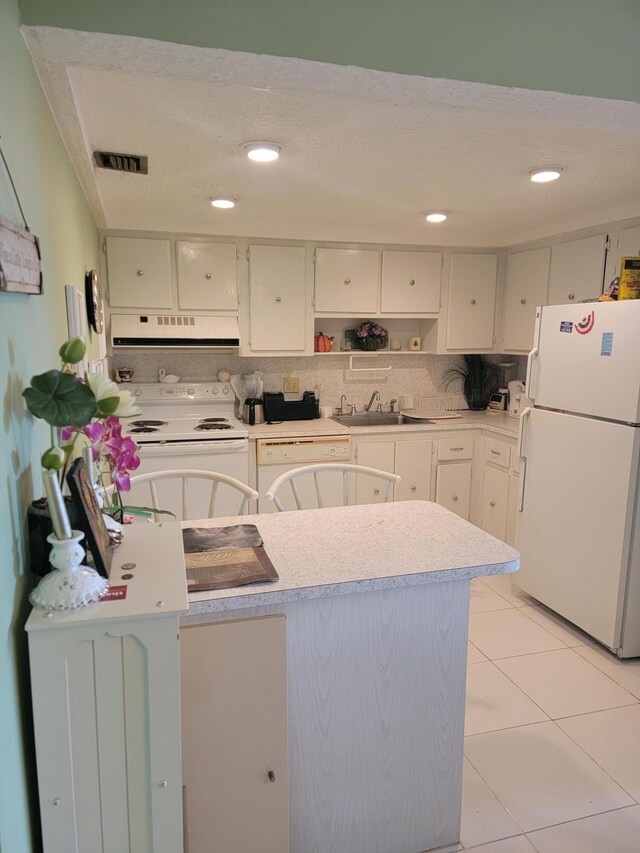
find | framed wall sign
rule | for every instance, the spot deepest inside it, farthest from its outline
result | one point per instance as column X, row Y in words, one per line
column 20, row 268
column 90, row 516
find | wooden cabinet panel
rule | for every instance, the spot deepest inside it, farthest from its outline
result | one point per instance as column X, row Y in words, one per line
column 234, row 735
column 277, row 298
column 380, row 455
column 207, row 276
column 139, row 272
column 411, row 282
column 472, row 301
column 628, row 244
column 413, row 464
column 495, row 494
column 347, row 280
column 497, row 452
column 577, row 270
column 453, row 487
column 525, row 289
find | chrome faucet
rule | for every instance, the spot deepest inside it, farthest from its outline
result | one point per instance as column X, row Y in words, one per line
column 344, row 404
column 375, row 397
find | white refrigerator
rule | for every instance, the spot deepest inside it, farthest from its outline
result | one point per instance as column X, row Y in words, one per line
column 578, row 526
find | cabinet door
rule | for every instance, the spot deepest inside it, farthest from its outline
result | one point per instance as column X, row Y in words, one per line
column 525, row 289
column 472, row 301
column 493, row 507
column 627, row 245
column 277, row 298
column 453, row 487
column 380, row 455
column 234, row 735
column 347, row 280
column 411, row 282
column 512, row 509
column 413, row 464
column 577, row 270
column 207, row 276
column 139, row 272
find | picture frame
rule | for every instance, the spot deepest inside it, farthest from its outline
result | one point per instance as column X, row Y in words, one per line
column 20, row 260
column 90, row 518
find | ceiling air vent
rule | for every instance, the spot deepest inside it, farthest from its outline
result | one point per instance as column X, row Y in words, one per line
column 121, row 162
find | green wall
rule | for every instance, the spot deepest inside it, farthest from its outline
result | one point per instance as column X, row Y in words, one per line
column 31, row 329
column 584, row 47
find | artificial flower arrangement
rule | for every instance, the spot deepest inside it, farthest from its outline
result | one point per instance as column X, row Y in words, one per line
column 89, row 406
column 371, row 336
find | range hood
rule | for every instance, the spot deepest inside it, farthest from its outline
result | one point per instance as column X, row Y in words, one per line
column 170, row 331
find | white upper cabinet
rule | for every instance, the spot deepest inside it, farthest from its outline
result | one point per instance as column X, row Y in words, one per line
column 577, row 270
column 628, row 245
column 525, row 289
column 410, row 282
column 139, row 272
column 207, row 276
column 277, row 299
column 347, row 281
column 472, row 301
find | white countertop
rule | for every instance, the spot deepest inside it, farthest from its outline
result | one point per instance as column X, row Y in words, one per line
column 498, row 422
column 343, row 550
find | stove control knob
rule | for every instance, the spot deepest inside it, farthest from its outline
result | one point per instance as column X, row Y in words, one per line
column 137, row 392
column 190, row 391
column 214, row 389
column 225, row 390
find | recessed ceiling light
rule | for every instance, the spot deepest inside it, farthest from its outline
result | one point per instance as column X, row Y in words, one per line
column 436, row 216
column 262, row 152
column 545, row 174
column 224, row 203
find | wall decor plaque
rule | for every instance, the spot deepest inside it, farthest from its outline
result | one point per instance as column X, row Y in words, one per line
column 20, row 268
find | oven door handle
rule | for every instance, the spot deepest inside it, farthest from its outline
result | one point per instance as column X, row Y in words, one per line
column 185, row 448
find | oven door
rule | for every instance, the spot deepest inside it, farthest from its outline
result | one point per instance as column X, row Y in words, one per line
column 223, row 456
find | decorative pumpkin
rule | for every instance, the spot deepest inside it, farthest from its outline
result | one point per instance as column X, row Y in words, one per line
column 322, row 343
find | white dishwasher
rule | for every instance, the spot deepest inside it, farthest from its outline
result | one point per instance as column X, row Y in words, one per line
column 276, row 456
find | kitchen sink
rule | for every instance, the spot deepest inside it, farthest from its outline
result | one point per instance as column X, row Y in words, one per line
column 362, row 419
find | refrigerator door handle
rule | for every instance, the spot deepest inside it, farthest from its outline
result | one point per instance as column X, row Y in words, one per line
column 526, row 413
column 531, row 358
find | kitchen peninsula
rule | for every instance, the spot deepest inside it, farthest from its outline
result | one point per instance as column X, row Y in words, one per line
column 321, row 712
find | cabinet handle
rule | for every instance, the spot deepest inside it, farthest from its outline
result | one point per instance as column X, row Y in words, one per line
column 271, row 776
column 492, row 504
column 207, row 275
column 347, row 281
column 412, row 282
column 140, row 273
column 496, row 453
column 523, row 302
column 413, row 488
column 473, row 301
column 571, row 296
column 457, row 449
column 455, row 499
column 376, row 491
column 278, row 299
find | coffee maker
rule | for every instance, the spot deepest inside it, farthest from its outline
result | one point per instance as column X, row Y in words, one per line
column 500, row 399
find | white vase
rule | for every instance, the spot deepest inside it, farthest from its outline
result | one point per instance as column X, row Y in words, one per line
column 71, row 584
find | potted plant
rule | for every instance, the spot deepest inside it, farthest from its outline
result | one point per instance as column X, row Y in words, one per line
column 371, row 336
column 479, row 380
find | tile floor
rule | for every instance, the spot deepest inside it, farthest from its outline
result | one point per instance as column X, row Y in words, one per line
column 552, row 734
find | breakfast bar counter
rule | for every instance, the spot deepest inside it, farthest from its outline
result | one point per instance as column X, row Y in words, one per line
column 325, row 711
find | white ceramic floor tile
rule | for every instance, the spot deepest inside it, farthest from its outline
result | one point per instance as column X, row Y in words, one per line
column 505, row 633
column 483, row 598
column 624, row 672
column 475, row 655
column 564, row 684
column 483, row 817
column 612, row 739
column 541, row 776
column 509, row 845
column 507, row 587
column 557, row 626
column 494, row 702
column 618, row 832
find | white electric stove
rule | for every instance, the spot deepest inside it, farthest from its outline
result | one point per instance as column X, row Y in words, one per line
column 188, row 426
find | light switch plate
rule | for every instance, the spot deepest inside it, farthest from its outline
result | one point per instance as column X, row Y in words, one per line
column 291, row 385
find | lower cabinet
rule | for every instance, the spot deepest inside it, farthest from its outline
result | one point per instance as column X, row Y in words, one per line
column 494, row 501
column 410, row 459
column 499, row 488
column 234, row 736
column 453, row 487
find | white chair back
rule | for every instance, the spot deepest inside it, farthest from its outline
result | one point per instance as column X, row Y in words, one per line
column 349, row 472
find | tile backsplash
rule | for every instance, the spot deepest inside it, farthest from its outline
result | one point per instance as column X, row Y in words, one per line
column 329, row 376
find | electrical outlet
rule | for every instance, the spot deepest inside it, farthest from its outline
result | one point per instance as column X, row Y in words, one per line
column 291, row 385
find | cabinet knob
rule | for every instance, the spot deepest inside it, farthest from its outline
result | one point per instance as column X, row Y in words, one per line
column 278, row 299
column 571, row 296
column 207, row 275
column 376, row 491
column 492, row 504
column 412, row 283
column 523, row 302
column 455, row 499
column 271, row 776
column 413, row 488
column 140, row 273
column 347, row 281
column 473, row 301
column 163, row 784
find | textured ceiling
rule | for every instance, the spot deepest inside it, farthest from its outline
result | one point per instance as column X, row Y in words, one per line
column 365, row 153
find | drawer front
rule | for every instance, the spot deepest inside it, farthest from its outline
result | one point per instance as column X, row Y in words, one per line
column 497, row 452
column 459, row 447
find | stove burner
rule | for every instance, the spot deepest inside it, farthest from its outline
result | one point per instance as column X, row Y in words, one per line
column 146, row 423
column 214, row 421
column 207, row 427
column 145, row 429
